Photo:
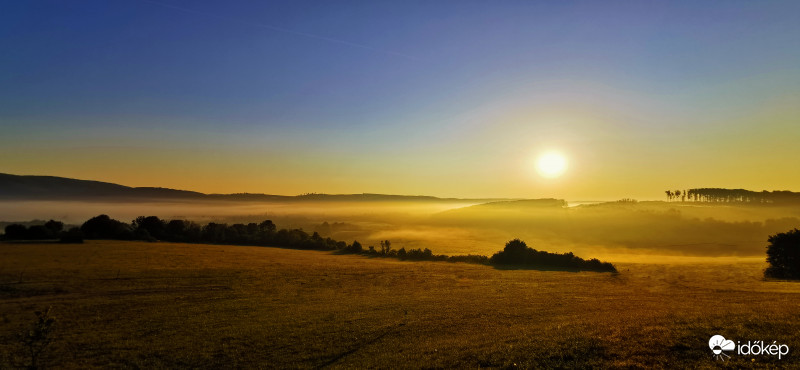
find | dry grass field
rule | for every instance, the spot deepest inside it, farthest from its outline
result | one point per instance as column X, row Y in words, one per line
column 159, row 305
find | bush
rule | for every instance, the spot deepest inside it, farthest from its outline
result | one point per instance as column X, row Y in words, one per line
column 517, row 253
column 783, row 255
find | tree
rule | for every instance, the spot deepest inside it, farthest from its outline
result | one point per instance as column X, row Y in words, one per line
column 267, row 227
column 515, row 252
column 355, row 247
column 386, row 247
column 73, row 235
column 16, row 232
column 252, row 230
column 54, row 227
column 154, row 226
column 104, row 227
column 214, row 232
column 176, row 230
column 783, row 255
column 38, row 232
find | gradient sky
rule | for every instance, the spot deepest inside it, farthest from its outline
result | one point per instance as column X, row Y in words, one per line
column 445, row 98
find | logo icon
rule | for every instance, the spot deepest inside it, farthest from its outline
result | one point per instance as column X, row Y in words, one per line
column 718, row 344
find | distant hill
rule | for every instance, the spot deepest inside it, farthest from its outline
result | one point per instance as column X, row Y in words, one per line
column 524, row 203
column 17, row 187
column 506, row 206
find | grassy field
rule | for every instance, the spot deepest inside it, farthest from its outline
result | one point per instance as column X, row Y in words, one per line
column 159, row 305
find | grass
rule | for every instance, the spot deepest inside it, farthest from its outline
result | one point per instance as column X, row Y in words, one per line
column 163, row 305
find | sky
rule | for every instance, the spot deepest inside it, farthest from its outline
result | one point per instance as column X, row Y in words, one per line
column 443, row 98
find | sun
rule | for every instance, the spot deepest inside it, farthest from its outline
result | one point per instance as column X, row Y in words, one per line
column 551, row 164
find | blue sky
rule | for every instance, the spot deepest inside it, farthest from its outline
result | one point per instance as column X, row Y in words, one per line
column 429, row 92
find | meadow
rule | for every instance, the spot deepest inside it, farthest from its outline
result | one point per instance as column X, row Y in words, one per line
column 166, row 305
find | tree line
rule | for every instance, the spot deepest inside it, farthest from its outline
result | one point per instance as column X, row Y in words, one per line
column 266, row 233
column 722, row 195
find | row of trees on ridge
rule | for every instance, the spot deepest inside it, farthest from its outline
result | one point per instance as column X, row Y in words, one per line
column 721, row 195
column 266, row 233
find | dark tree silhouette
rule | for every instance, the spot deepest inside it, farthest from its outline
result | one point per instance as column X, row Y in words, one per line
column 355, row 247
column 104, row 227
column 38, row 232
column 267, row 227
column 73, row 235
column 16, row 232
column 54, row 227
column 718, row 195
column 176, row 228
column 386, row 247
column 153, row 225
column 517, row 253
column 783, row 255
column 50, row 230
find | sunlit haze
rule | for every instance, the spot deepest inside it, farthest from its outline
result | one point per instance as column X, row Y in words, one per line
column 438, row 98
column 551, row 164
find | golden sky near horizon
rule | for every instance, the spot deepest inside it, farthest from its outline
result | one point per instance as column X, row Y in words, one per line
column 607, row 159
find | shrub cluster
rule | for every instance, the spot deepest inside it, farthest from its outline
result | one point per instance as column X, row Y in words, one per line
column 419, row 254
column 517, row 253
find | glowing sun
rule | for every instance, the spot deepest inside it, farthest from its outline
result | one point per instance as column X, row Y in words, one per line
column 551, row 165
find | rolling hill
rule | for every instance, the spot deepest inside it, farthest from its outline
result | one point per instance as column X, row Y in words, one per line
column 19, row 187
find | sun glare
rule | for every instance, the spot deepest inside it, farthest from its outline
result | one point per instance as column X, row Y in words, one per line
column 551, row 165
